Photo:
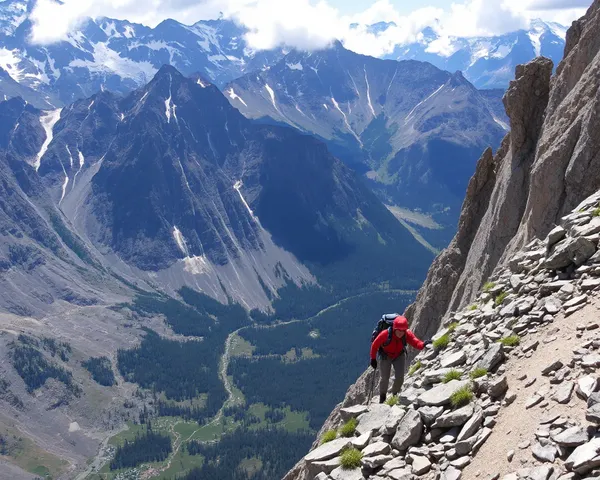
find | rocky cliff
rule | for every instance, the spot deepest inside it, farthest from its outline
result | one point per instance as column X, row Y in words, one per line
column 547, row 165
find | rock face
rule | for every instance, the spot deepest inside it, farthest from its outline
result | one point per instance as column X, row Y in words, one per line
column 512, row 198
column 545, row 174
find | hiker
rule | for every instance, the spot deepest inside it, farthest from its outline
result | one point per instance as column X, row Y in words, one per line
column 392, row 351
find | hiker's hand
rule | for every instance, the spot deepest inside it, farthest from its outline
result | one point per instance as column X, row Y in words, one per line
column 426, row 343
column 374, row 364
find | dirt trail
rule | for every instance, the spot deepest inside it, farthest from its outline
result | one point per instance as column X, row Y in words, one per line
column 515, row 423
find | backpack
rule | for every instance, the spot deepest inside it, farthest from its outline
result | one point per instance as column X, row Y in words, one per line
column 386, row 323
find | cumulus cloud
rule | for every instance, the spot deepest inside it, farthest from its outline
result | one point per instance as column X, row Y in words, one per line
column 558, row 4
column 304, row 24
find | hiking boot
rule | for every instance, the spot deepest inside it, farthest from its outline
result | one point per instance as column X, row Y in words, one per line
column 381, row 398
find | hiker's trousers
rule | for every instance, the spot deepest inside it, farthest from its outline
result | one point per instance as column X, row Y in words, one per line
column 386, row 369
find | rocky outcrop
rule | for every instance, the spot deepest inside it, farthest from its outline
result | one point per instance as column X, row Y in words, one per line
column 547, row 164
column 445, row 417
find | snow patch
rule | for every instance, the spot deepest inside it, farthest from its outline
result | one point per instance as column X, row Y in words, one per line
column 70, row 156
column 295, row 66
column 74, row 427
column 10, row 62
column 326, row 107
column 535, row 41
column 81, row 163
column 201, row 83
column 272, row 95
column 108, row 61
column 234, row 96
column 129, row 31
column 368, row 92
column 48, row 121
column 336, row 105
column 177, row 235
column 421, row 103
column 196, row 265
column 238, row 188
column 501, row 123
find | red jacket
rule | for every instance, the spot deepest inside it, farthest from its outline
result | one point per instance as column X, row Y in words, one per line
column 394, row 349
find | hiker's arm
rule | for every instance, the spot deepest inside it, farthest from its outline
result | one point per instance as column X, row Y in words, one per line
column 413, row 341
column 378, row 342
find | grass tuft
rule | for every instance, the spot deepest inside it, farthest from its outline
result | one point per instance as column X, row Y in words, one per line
column 462, row 396
column 500, row 298
column 415, row 367
column 328, row 436
column 452, row 375
column 487, row 286
column 473, row 307
column 348, row 428
column 441, row 342
column 453, row 326
column 350, row 459
column 478, row 372
column 510, row 341
column 393, row 400
column 596, row 212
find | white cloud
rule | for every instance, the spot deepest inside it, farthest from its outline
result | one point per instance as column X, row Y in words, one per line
column 310, row 24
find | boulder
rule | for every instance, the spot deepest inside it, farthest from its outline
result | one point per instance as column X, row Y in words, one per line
column 585, row 458
column 472, row 425
column 429, row 414
column 492, row 357
column 352, row 412
column 454, row 359
column 374, row 419
column 571, row 437
column 328, row 450
column 373, row 463
column 420, row 465
column 377, row 448
column 454, row 418
column 440, row 395
column 343, row 474
column 409, row 431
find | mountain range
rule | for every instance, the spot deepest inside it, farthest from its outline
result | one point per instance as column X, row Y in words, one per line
column 487, row 62
column 413, row 130
column 121, row 56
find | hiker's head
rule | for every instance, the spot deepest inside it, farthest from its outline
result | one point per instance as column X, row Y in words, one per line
column 400, row 325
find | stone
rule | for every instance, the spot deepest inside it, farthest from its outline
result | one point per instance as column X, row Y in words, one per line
column 377, row 448
column 524, row 444
column 586, row 386
column 352, row 412
column 533, row 401
column 362, row 441
column 547, row 288
column 563, row 393
column 491, row 358
column 587, row 229
column 465, row 447
column 431, row 377
column 392, row 421
column 571, row 437
column 552, row 305
column 321, row 476
column 372, row 463
column 590, row 284
column 440, row 395
column 592, row 360
column 585, row 457
column 544, row 454
column 552, row 367
column 326, row 466
column 576, row 301
column 401, row 474
column 343, row 474
column 472, row 425
column 510, row 455
column 556, row 235
column 566, row 291
column 498, row 387
column 540, row 473
column 374, row 419
column 328, row 450
column 592, row 414
column 409, row 431
column 454, row 359
column 451, row 473
column 429, row 414
column 461, row 462
column 450, row 436
column 420, row 465
column 454, row 418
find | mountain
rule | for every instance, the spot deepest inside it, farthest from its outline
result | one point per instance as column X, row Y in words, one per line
column 120, row 56
column 414, row 130
column 509, row 301
column 487, row 62
column 142, row 236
